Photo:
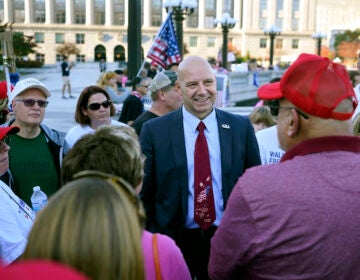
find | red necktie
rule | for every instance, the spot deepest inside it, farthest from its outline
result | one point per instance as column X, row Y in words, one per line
column 204, row 210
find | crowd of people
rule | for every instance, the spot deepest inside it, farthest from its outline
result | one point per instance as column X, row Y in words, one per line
column 182, row 189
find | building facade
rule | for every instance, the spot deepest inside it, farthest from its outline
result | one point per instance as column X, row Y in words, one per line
column 99, row 27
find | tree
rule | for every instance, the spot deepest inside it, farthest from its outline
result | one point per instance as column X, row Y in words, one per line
column 67, row 49
column 347, row 36
column 23, row 45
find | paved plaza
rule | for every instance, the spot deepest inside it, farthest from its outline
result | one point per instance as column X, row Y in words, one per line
column 60, row 112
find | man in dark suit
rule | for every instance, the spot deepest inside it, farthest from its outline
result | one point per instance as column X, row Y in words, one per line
column 168, row 143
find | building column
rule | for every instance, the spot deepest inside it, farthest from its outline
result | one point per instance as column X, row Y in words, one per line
column 287, row 16
column 49, row 11
column 201, row 9
column 109, row 15
column 147, row 13
column 126, row 13
column 237, row 13
column 219, row 8
column 89, row 16
column 8, row 7
column 28, row 10
column 69, row 10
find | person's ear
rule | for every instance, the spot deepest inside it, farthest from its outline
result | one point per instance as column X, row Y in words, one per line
column 293, row 123
column 162, row 95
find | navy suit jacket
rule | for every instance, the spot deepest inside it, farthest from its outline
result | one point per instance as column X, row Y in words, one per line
column 165, row 186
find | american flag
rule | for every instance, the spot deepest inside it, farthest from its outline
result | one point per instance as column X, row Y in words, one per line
column 164, row 50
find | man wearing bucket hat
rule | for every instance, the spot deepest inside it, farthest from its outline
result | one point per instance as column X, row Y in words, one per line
column 298, row 219
column 16, row 217
column 36, row 151
column 164, row 95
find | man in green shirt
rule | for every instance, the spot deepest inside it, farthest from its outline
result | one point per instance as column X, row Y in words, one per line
column 36, row 150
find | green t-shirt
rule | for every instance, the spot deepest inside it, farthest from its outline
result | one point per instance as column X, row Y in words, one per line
column 31, row 164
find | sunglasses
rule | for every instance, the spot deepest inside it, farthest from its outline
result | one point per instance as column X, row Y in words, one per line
column 31, row 102
column 96, row 106
column 275, row 108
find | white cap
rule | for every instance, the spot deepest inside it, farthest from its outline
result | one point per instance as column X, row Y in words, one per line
column 163, row 79
column 36, row 188
column 25, row 84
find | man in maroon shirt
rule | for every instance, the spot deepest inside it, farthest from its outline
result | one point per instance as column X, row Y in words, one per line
column 299, row 219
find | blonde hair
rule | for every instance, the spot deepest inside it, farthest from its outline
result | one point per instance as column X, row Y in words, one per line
column 104, row 78
column 90, row 224
column 262, row 114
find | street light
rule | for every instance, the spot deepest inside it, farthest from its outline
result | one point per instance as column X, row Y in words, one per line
column 318, row 36
column 273, row 31
column 179, row 10
column 227, row 23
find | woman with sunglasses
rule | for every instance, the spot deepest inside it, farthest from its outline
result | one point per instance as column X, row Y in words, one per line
column 94, row 109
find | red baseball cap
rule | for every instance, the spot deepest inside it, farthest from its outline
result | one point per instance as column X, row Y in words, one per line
column 314, row 84
column 37, row 270
column 8, row 130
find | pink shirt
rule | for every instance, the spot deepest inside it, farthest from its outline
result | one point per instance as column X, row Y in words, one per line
column 172, row 263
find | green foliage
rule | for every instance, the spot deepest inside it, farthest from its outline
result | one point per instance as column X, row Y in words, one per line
column 29, row 64
column 23, row 45
column 347, row 36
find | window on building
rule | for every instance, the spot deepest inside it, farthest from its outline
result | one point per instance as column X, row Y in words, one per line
column 193, row 41
column 262, row 23
column 211, row 42
column 39, row 11
column 80, row 58
column 18, row 10
column 228, row 7
column 295, row 43
column 99, row 12
column 40, row 57
column 263, row 14
column 156, row 12
column 59, row 38
column 39, row 37
column 79, row 11
column 210, row 14
column 263, row 43
column 295, row 15
column 59, row 58
column 80, row 38
column 192, row 20
column 119, row 12
column 278, row 43
column 60, row 14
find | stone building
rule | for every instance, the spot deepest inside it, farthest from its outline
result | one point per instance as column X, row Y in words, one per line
column 99, row 27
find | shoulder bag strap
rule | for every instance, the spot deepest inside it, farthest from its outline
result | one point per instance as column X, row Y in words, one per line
column 156, row 257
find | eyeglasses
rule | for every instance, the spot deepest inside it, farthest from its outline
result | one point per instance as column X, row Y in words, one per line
column 96, row 106
column 275, row 108
column 118, row 181
column 31, row 102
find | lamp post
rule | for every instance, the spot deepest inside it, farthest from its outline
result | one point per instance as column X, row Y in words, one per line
column 318, row 36
column 179, row 10
column 273, row 31
column 227, row 23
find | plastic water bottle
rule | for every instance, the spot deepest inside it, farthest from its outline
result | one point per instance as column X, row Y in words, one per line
column 38, row 199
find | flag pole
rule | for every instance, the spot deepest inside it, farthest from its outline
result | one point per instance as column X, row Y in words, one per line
column 156, row 37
